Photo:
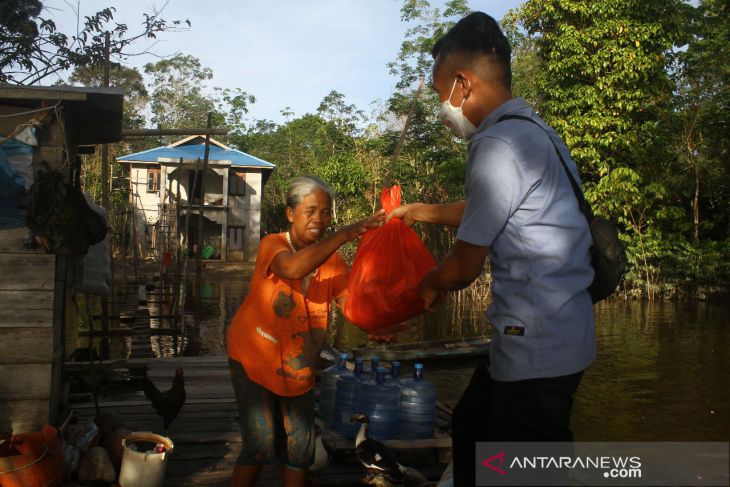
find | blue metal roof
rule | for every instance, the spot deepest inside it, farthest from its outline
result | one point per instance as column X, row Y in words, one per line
column 195, row 151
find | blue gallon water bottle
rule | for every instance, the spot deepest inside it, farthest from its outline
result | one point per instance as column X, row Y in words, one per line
column 417, row 406
column 327, row 388
column 348, row 385
column 394, row 372
column 374, row 364
column 379, row 400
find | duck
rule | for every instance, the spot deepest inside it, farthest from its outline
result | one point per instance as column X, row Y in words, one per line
column 378, row 460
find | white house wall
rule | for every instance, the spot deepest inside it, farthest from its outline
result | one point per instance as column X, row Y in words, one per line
column 246, row 211
column 166, row 180
column 141, row 199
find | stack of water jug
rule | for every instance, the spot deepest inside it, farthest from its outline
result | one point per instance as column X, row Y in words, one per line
column 397, row 408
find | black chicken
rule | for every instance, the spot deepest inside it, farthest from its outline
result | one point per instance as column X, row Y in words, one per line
column 168, row 403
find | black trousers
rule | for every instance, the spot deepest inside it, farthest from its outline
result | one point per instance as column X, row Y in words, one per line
column 526, row 410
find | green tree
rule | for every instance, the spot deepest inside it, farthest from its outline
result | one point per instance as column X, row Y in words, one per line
column 526, row 62
column 346, row 118
column 178, row 92
column 324, row 144
column 604, row 74
column 604, row 84
column 432, row 161
column 699, row 124
column 232, row 105
column 32, row 48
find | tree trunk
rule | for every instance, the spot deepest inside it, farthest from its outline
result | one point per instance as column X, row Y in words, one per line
column 696, row 205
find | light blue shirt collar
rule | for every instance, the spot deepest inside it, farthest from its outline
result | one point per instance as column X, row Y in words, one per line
column 511, row 105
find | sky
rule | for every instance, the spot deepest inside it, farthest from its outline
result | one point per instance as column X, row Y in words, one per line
column 287, row 53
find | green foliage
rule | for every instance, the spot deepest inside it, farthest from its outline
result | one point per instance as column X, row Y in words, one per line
column 32, row 49
column 428, row 24
column 604, row 74
column 698, row 123
column 233, row 105
column 639, row 116
column 178, row 98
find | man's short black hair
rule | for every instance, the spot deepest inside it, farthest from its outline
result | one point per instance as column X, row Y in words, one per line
column 475, row 39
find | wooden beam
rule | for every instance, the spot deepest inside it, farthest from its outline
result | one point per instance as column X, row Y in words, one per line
column 22, row 301
column 22, row 416
column 35, row 382
column 40, row 93
column 26, row 345
column 27, row 272
column 126, row 133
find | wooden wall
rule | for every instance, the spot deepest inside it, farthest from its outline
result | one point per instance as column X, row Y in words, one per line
column 32, row 283
column 31, row 347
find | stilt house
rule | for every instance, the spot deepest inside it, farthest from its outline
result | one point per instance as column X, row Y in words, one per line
column 166, row 187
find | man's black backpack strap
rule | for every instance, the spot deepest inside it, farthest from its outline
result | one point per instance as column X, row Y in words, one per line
column 608, row 254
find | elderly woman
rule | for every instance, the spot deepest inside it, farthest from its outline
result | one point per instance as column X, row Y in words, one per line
column 276, row 336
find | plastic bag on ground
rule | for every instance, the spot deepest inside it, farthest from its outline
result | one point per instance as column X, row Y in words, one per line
column 389, row 264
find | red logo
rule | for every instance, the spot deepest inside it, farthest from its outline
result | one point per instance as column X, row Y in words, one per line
column 487, row 463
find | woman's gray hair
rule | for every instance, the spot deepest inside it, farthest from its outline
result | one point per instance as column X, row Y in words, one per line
column 302, row 186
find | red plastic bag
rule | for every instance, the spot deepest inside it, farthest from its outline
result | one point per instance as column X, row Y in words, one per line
column 389, row 264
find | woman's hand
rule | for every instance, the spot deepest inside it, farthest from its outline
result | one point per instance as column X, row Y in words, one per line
column 407, row 213
column 351, row 232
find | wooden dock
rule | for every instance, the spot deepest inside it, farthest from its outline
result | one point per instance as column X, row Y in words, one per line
column 448, row 348
column 206, row 432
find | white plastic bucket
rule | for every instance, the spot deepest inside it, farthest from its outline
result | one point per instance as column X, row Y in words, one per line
column 144, row 468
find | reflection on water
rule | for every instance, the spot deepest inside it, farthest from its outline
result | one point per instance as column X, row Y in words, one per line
column 662, row 371
column 207, row 312
column 662, row 374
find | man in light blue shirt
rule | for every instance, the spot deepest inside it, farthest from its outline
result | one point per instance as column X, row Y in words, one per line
column 520, row 209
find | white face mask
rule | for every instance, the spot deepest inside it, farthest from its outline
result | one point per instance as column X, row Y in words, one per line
column 454, row 118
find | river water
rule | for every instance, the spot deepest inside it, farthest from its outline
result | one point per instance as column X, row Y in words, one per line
column 662, row 372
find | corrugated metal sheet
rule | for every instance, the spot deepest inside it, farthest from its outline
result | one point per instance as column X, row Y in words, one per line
column 236, row 157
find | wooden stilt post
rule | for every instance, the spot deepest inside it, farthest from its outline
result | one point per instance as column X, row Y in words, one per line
column 199, row 256
column 105, row 341
column 174, row 308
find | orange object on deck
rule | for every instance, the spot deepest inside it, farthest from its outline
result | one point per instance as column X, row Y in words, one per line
column 31, row 459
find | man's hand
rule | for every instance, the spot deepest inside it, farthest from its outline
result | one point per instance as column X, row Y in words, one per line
column 429, row 294
column 461, row 266
column 441, row 214
column 405, row 213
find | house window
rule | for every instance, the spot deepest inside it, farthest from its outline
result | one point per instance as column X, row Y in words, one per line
column 235, row 238
column 153, row 180
column 237, row 183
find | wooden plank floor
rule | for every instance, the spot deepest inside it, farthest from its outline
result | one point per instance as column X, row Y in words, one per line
column 206, row 433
